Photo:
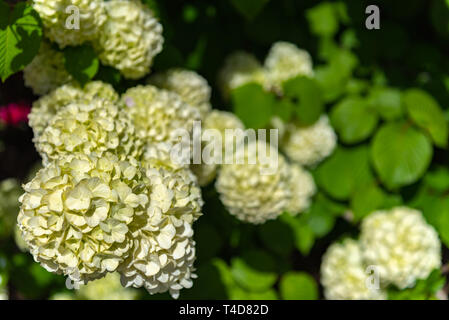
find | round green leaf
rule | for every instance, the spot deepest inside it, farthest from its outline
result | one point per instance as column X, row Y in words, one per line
column 254, row 271
column 424, row 110
column 298, row 286
column 277, row 236
column 386, row 102
column 353, row 119
column 81, row 62
column 400, row 154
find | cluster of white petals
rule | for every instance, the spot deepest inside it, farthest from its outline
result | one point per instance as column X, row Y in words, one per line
column 286, row 61
column 107, row 288
column 158, row 115
column 401, row 244
column 189, row 85
column 303, row 188
column 164, row 250
column 344, row 275
column 45, row 108
column 254, row 190
column 58, row 18
column 77, row 211
column 130, row 38
column 93, row 127
column 239, row 69
column 47, row 71
column 309, row 145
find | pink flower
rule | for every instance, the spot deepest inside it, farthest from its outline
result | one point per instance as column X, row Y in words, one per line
column 14, row 113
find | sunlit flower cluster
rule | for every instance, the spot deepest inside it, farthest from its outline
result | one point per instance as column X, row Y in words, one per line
column 303, row 188
column 344, row 275
column 130, row 38
column 61, row 25
column 47, row 70
column 401, row 243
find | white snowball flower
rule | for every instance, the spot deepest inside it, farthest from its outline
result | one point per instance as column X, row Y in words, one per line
column 258, row 189
column 130, row 38
column 344, row 275
column 47, row 70
column 401, row 244
column 189, row 85
column 311, row 144
column 286, row 61
column 239, row 69
column 59, row 18
column 303, row 188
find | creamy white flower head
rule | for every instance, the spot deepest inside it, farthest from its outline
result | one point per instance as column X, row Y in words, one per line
column 47, row 71
column 76, row 214
column 401, row 244
column 240, row 68
column 95, row 127
column 130, row 38
column 217, row 120
column 344, row 276
column 286, row 61
column 107, row 288
column 303, row 188
column 45, row 108
column 164, row 251
column 58, row 19
column 248, row 192
column 158, row 115
column 189, row 85
column 311, row 144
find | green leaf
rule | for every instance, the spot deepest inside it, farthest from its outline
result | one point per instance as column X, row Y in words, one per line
column 353, row 119
column 321, row 215
column 344, row 172
column 277, row 236
column 109, row 75
column 438, row 179
column 400, row 154
column 298, row 286
column 238, row 293
column 305, row 94
column 323, row 19
column 284, row 109
column 304, row 236
column 365, row 200
column 20, row 37
column 249, row 8
column 253, row 105
column 424, row 289
column 81, row 62
column 424, row 110
column 387, row 102
column 254, row 270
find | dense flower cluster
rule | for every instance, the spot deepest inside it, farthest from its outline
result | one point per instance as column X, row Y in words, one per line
column 76, row 214
column 47, row 71
column 302, row 187
column 61, row 28
column 45, row 108
column 250, row 193
column 190, row 86
column 344, row 276
column 401, row 244
column 130, row 38
column 311, row 144
column 89, row 128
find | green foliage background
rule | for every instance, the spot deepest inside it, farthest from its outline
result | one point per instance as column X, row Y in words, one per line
column 386, row 92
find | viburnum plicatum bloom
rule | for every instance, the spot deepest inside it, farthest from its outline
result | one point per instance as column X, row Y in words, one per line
column 107, row 288
column 239, row 69
column 286, row 61
column 45, row 108
column 401, row 244
column 130, row 38
column 255, row 192
column 310, row 144
column 164, row 250
column 47, row 70
column 93, row 127
column 77, row 212
column 14, row 113
column 59, row 18
column 220, row 121
column 189, row 85
column 344, row 275
column 158, row 114
column 303, row 188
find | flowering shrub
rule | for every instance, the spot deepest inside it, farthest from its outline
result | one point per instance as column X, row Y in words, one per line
column 334, row 185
